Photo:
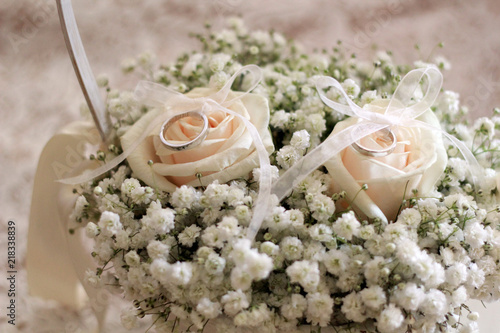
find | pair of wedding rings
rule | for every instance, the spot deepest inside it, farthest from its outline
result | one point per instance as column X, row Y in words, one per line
column 385, row 135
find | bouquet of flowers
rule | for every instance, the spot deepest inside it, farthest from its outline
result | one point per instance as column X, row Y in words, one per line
column 329, row 194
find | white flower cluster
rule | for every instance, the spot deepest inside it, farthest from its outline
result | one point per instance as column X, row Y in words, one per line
column 183, row 257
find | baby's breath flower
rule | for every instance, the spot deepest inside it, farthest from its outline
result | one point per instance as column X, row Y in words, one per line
column 294, row 307
column 306, row 273
column 109, row 223
column 208, row 309
column 390, row 319
column 234, row 302
column 189, row 235
column 91, row 230
column 347, row 226
column 319, row 309
column 128, row 318
column 184, row 197
column 288, row 156
column 291, row 248
column 158, row 219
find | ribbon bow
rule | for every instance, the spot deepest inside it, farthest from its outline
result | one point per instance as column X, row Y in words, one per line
column 175, row 103
column 401, row 111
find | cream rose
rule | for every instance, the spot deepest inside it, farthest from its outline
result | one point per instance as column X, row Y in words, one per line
column 227, row 152
column 417, row 162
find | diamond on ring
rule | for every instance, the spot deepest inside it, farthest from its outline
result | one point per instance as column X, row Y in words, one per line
column 189, row 144
column 386, row 136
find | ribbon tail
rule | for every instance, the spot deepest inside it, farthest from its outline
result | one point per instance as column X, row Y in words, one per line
column 333, row 145
column 261, row 206
column 475, row 170
column 56, row 260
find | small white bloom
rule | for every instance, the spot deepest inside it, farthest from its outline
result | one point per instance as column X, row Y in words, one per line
column 215, row 264
column 184, row 197
column 319, row 309
column 218, row 62
column 485, row 126
column 459, row 296
column 294, row 307
column 291, row 248
column 189, row 235
column 215, row 195
column 109, row 223
column 442, row 63
column 301, row 140
column 321, row 205
column 180, row 273
column 243, row 214
column 157, row 250
column 211, row 237
column 240, row 279
column 128, row 318
column 475, row 235
column 321, row 232
column 129, row 185
column 258, row 265
column 91, row 278
column 368, row 96
column 275, row 173
column 306, row 273
column 474, row 316
column 313, row 251
column 456, row 274
column 280, row 119
column 366, row 232
column 208, row 309
column 434, row 304
column 288, row 156
column 335, row 262
column 218, row 80
column 410, row 217
column 80, row 205
column 269, row 248
column 132, row 258
column 390, row 319
column 373, row 297
column 353, row 308
column 347, row 226
column 409, row 297
column 278, row 220
column 228, row 228
column 91, row 230
column 158, row 219
column 234, row 302
column 351, row 88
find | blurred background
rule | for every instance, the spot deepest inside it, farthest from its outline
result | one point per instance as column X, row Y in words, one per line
column 39, row 92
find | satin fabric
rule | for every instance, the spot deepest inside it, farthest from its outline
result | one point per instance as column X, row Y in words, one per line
column 56, row 259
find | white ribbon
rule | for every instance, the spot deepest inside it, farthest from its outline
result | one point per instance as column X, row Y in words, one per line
column 56, row 260
column 156, row 95
column 401, row 111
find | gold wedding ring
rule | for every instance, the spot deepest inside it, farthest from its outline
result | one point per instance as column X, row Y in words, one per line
column 386, row 136
column 189, row 144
